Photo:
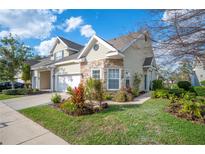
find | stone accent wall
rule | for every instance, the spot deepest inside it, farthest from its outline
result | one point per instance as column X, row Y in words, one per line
column 103, row 65
column 114, row 63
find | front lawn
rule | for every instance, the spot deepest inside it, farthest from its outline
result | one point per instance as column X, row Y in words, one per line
column 3, row 96
column 126, row 124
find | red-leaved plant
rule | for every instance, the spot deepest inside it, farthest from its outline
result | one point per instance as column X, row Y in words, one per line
column 77, row 95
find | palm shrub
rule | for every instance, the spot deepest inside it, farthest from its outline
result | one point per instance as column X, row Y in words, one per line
column 193, row 109
column 68, row 107
column 56, row 98
column 160, row 93
column 98, row 87
column 89, row 89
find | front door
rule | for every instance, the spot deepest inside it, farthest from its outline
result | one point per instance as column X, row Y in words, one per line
column 145, row 82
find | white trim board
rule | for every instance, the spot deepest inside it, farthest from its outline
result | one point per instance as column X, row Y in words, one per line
column 94, row 37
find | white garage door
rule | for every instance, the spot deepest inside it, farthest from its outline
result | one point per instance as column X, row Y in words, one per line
column 63, row 81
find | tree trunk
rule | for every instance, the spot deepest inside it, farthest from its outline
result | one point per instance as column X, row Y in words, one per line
column 12, row 85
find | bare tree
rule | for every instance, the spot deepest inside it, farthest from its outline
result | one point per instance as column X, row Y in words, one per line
column 178, row 34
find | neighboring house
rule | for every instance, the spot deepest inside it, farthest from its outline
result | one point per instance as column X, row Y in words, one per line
column 114, row 62
column 198, row 73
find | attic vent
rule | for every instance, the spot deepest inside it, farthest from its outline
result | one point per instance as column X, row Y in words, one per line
column 96, row 47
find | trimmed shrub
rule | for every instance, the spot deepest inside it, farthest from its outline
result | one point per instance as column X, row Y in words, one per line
column 203, row 83
column 10, row 92
column 20, row 91
column 186, row 85
column 129, row 97
column 200, row 91
column 160, row 93
column 157, row 84
column 177, row 92
column 56, row 98
column 120, row 96
column 123, row 96
column 135, row 92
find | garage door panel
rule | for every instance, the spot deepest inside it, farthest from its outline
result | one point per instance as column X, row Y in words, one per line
column 63, row 81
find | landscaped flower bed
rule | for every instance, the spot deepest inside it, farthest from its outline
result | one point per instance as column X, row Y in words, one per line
column 90, row 98
column 80, row 101
column 184, row 102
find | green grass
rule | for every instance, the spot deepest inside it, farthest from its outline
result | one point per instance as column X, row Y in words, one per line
column 3, row 96
column 135, row 124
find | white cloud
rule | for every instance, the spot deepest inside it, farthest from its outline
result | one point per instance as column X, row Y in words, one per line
column 73, row 23
column 45, row 47
column 27, row 23
column 58, row 11
column 87, row 31
column 4, row 33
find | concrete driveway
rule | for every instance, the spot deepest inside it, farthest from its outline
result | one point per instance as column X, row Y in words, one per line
column 17, row 129
column 29, row 101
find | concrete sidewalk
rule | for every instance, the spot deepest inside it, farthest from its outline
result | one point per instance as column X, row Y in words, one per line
column 30, row 101
column 17, row 129
column 138, row 100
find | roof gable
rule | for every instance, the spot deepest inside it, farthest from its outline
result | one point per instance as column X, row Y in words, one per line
column 68, row 44
column 90, row 43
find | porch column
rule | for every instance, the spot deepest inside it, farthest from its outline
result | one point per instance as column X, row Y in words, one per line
column 52, row 79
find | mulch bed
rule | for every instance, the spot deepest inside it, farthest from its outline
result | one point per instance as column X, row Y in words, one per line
column 89, row 108
column 175, row 110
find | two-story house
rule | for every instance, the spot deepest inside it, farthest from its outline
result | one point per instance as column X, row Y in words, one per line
column 198, row 73
column 113, row 61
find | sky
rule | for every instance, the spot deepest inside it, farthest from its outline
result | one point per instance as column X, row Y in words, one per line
column 39, row 28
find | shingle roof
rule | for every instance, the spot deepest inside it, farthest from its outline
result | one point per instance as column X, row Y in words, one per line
column 122, row 41
column 32, row 62
column 71, row 57
column 47, row 61
column 44, row 62
column 148, row 61
column 71, row 44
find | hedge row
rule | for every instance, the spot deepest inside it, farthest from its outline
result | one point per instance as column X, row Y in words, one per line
column 20, row 91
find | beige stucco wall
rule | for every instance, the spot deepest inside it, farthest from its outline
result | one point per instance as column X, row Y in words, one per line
column 45, row 80
column 59, row 47
column 134, row 59
column 68, row 69
column 97, row 55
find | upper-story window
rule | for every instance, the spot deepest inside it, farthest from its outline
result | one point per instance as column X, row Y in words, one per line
column 58, row 55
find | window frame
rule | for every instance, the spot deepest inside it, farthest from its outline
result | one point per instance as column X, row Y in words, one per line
column 62, row 55
column 96, row 69
column 118, row 78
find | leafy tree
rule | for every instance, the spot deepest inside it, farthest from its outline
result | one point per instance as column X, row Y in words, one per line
column 26, row 74
column 13, row 55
